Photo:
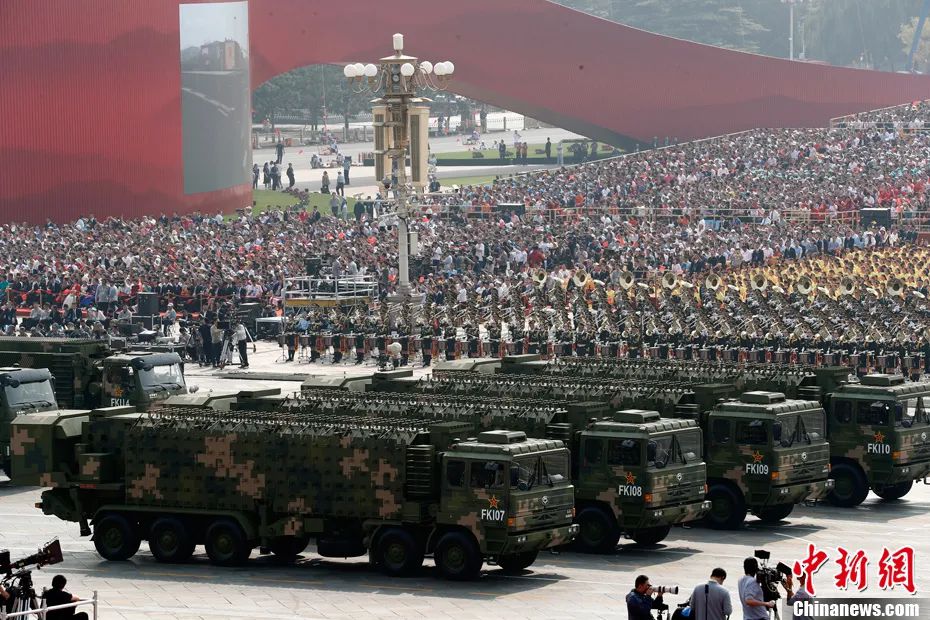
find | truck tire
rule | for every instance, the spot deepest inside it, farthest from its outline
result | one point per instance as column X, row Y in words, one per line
column 170, row 541
column 894, row 491
column 598, row 531
column 226, row 544
column 457, row 557
column 774, row 514
column 650, row 535
column 850, row 487
column 398, row 553
column 287, row 548
column 512, row 564
column 727, row 508
column 115, row 538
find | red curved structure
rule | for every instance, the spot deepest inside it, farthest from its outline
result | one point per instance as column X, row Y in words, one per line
column 91, row 105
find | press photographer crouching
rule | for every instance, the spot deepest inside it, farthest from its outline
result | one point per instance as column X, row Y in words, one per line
column 644, row 597
column 58, row 596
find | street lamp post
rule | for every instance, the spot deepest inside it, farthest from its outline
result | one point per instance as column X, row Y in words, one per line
column 791, row 4
column 396, row 79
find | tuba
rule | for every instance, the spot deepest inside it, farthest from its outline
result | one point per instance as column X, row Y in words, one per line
column 540, row 276
column 580, row 279
column 847, row 286
column 669, row 281
column 758, row 282
column 713, row 282
column 895, row 288
column 627, row 280
column 805, row 285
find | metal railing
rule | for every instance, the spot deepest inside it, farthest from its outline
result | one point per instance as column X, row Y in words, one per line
column 43, row 610
column 307, row 290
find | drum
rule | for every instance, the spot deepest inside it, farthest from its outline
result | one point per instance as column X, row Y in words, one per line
column 854, row 360
column 370, row 343
column 304, row 341
column 704, row 354
column 829, row 359
column 327, row 341
column 781, row 357
column 652, row 353
column 908, row 362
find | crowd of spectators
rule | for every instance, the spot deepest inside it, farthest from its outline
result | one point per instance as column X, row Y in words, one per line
column 720, row 203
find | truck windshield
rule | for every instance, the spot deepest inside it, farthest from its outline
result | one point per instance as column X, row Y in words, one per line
column 679, row 448
column 36, row 394
column 798, row 428
column 912, row 411
column 549, row 468
column 167, row 377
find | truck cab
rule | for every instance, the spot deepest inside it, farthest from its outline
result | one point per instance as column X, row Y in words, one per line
column 879, row 432
column 765, row 454
column 22, row 390
column 511, row 494
column 140, row 379
column 637, row 474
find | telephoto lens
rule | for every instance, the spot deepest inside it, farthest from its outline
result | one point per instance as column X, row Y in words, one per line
column 665, row 589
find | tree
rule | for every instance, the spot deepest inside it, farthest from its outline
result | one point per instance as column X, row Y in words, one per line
column 906, row 36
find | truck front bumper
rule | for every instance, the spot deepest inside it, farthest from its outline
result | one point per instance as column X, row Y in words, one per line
column 797, row 493
column 540, row 539
column 660, row 516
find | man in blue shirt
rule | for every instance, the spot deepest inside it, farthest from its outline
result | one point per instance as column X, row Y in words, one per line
column 640, row 602
column 755, row 607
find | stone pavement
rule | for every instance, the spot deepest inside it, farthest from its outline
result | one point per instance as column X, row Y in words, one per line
column 558, row 586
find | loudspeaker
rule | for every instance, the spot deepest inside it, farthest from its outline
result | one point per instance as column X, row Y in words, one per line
column 147, row 308
column 875, row 217
column 313, row 265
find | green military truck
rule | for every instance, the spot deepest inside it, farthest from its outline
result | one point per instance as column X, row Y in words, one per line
column 765, row 454
column 396, row 489
column 87, row 373
column 649, row 477
column 879, row 431
column 22, row 390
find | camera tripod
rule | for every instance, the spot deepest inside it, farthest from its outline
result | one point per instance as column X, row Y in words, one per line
column 22, row 593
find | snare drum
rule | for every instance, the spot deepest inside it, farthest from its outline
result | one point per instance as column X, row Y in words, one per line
column 327, row 341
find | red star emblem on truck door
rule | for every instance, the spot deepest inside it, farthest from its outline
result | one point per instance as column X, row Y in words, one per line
column 756, row 457
column 493, row 501
column 879, row 437
column 630, row 478
column 117, row 392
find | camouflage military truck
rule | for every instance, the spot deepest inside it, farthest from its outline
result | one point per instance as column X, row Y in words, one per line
column 396, row 489
column 634, row 474
column 22, row 390
column 879, row 432
column 86, row 373
column 765, row 454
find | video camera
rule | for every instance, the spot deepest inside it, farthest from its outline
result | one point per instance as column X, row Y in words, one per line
column 47, row 555
column 769, row 578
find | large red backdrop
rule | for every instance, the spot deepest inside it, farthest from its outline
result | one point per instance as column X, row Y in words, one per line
column 90, row 103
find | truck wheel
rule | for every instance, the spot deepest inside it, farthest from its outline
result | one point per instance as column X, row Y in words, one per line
column 457, row 557
column 170, row 541
column 727, row 508
column 287, row 548
column 115, row 538
column 226, row 544
column 399, row 554
column 598, row 531
column 894, row 491
column 517, row 562
column 650, row 535
column 774, row 514
column 850, row 487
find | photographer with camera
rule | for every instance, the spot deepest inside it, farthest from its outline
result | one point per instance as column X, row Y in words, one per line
column 800, row 595
column 755, row 607
column 711, row 601
column 640, row 601
column 58, row 596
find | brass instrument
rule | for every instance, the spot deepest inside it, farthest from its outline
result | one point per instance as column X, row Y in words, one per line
column 895, row 288
column 581, row 277
column 713, row 282
column 669, row 281
column 758, row 282
column 804, row 286
column 540, row 276
column 627, row 280
column 847, row 286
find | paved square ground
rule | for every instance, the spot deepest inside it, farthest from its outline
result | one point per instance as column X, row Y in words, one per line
column 568, row 585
